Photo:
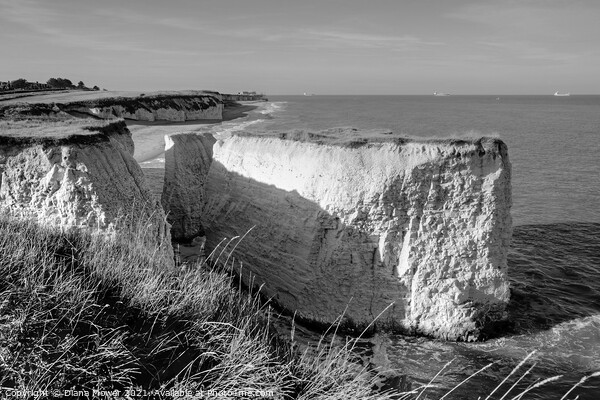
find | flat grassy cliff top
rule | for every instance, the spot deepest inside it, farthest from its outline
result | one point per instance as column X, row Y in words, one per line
column 83, row 96
column 39, row 130
column 354, row 138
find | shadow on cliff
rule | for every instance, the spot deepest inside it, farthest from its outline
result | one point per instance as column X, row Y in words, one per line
column 554, row 269
column 555, row 274
column 305, row 236
column 155, row 180
column 322, row 266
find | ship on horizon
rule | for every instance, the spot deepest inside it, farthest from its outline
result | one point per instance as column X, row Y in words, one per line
column 562, row 94
column 441, row 94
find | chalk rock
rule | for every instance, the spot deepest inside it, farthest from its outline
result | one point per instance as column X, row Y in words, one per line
column 187, row 161
column 75, row 174
column 351, row 225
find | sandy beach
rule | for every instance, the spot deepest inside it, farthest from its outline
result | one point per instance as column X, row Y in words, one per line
column 149, row 136
column 234, row 110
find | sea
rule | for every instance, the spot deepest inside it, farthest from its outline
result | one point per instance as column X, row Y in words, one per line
column 554, row 259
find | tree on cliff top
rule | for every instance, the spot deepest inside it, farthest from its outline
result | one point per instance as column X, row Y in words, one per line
column 60, row 83
column 19, row 83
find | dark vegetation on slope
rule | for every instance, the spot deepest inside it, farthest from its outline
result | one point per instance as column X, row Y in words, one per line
column 59, row 132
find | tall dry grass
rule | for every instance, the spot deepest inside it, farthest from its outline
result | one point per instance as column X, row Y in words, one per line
column 89, row 311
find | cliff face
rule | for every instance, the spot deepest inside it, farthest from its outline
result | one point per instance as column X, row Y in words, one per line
column 87, row 178
column 350, row 226
column 159, row 107
column 187, row 162
column 156, row 108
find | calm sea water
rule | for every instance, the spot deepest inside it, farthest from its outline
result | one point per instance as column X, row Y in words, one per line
column 554, row 262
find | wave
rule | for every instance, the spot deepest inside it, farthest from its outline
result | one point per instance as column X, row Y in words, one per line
column 269, row 110
column 226, row 129
column 256, row 117
column 273, row 107
column 570, row 345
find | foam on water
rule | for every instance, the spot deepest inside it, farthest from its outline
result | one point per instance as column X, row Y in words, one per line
column 255, row 119
column 227, row 128
column 273, row 107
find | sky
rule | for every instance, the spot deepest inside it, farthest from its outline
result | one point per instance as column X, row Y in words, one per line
column 391, row 47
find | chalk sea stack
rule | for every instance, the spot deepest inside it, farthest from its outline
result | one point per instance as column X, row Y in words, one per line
column 74, row 173
column 348, row 222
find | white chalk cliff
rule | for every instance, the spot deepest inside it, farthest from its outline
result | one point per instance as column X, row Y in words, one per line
column 157, row 108
column 84, row 179
column 352, row 225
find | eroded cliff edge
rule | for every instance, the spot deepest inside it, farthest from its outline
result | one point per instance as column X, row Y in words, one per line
column 75, row 173
column 160, row 106
column 348, row 224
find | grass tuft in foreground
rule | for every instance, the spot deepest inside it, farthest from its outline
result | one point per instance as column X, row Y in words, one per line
column 86, row 311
